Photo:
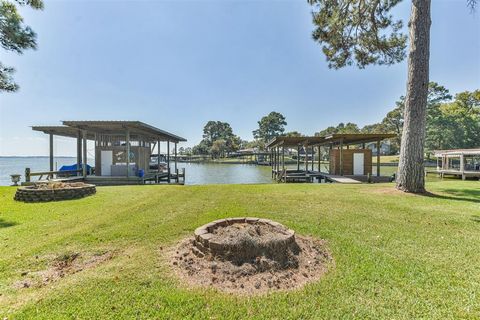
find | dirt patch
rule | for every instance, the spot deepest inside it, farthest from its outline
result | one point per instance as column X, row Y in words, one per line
column 262, row 260
column 61, row 266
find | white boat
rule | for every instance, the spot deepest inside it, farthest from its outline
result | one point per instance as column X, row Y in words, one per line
column 154, row 163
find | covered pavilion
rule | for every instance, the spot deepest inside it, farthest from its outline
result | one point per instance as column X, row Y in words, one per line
column 349, row 159
column 463, row 163
column 122, row 151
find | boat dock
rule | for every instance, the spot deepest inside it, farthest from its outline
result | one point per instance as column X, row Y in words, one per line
column 323, row 177
column 123, row 150
column 348, row 158
column 177, row 177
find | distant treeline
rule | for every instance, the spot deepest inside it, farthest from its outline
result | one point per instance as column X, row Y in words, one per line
column 452, row 122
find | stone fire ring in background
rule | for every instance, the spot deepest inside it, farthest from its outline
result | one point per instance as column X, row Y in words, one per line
column 72, row 191
column 206, row 243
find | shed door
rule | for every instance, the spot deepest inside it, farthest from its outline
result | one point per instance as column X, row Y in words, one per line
column 106, row 156
column 358, row 162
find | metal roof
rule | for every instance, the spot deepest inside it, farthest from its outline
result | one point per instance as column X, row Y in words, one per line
column 337, row 138
column 294, row 141
column 137, row 129
column 440, row 153
column 63, row 131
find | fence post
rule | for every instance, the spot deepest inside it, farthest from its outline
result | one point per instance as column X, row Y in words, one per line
column 27, row 174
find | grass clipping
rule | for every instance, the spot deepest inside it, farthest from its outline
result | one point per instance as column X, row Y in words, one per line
column 255, row 262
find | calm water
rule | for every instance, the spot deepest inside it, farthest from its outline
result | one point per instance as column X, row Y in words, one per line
column 195, row 173
column 17, row 165
column 213, row 173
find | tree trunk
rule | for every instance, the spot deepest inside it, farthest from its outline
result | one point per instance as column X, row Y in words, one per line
column 411, row 174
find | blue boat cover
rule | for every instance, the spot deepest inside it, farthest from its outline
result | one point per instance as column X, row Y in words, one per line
column 74, row 167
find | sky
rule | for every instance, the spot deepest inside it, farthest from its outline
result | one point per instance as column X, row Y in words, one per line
column 178, row 64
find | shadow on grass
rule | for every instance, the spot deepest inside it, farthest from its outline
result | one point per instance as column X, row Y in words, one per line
column 468, row 195
column 6, row 224
column 474, row 193
column 476, row 218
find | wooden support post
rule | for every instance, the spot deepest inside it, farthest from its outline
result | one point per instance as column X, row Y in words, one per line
column 277, row 167
column 127, row 145
column 378, row 158
column 79, row 150
column 306, row 157
column 95, row 145
column 84, row 162
column 330, row 162
column 168, row 160
column 158, row 158
column 319, row 159
column 462, row 166
column 51, row 152
column 274, row 162
column 341, row 157
column 298, row 158
column 271, row 161
column 176, row 159
column 27, row 174
column 278, row 164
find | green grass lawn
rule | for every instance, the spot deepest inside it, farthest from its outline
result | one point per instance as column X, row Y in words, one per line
column 386, row 159
column 397, row 256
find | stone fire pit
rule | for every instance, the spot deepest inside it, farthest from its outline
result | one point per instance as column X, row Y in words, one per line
column 245, row 239
column 249, row 255
column 54, row 191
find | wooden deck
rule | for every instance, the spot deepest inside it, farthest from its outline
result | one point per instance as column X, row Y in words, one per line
column 456, row 173
column 298, row 176
column 340, row 179
column 112, row 180
column 151, row 177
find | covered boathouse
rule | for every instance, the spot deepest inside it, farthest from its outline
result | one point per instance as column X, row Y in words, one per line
column 122, row 153
column 349, row 161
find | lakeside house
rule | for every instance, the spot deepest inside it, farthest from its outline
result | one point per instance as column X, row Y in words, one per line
column 122, row 152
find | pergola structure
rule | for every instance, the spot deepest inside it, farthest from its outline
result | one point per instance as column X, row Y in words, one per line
column 458, row 162
column 122, row 148
column 342, row 157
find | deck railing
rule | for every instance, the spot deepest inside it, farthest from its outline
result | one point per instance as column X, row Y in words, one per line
column 49, row 174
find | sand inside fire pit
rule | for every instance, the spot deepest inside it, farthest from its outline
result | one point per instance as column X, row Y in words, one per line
column 250, row 257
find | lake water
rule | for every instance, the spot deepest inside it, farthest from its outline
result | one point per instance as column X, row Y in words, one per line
column 196, row 173
column 213, row 173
